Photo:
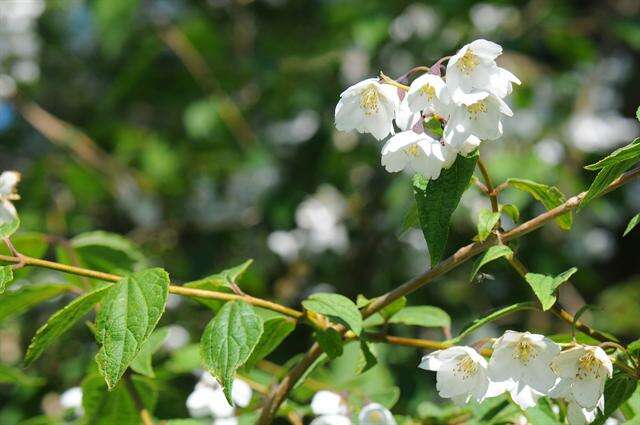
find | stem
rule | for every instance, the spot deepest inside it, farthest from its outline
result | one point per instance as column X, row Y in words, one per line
column 145, row 416
column 493, row 196
column 388, row 80
column 408, row 342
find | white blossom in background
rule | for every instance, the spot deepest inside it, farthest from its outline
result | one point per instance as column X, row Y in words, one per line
column 376, row 414
column 286, row 244
column 461, row 374
column 330, row 409
column 599, row 131
column 177, row 337
column 429, row 93
column 419, row 152
column 72, row 399
column 8, row 192
column 522, row 363
column 368, row 107
column 299, row 129
column 207, row 399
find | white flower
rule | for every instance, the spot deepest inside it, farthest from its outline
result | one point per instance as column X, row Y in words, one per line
column 321, row 218
column 368, row 107
column 330, row 408
column 578, row 415
column 207, row 399
column 406, row 119
column 522, row 363
column 72, row 399
column 583, row 371
column 429, row 93
column 478, row 114
column 226, row 421
column 461, row 374
column 376, row 414
column 422, row 153
column 8, row 183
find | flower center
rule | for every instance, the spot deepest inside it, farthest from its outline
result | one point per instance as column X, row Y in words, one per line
column 525, row 351
column 588, row 364
column 466, row 367
column 375, row 417
column 428, row 91
column 369, row 100
column 476, row 109
column 413, row 150
column 468, row 62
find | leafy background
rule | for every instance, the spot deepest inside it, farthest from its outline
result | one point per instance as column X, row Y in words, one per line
column 214, row 122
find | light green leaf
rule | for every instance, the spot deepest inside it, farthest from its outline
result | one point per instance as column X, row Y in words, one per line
column 630, row 152
column 512, row 211
column 13, row 375
column 337, row 308
column 410, row 220
column 330, row 341
column 542, row 413
column 422, row 315
column 228, row 341
column 8, row 227
column 32, row 244
column 438, row 199
column 493, row 315
column 617, row 390
column 130, row 312
column 638, row 113
column 276, row 329
column 61, row 321
column 632, row 224
column 114, row 20
column 549, row 196
column 493, row 253
column 109, row 252
column 487, row 220
column 219, row 282
column 387, row 311
column 605, row 177
column 367, row 359
column 185, row 359
column 13, row 303
column 6, row 276
column 545, row 286
column 142, row 363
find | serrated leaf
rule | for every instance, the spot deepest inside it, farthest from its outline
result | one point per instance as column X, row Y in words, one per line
column 422, row 315
column 228, row 341
column 630, row 152
column 6, row 276
column 604, row 178
column 142, row 363
column 108, row 252
column 545, row 286
column 617, row 390
column 130, row 312
column 632, row 224
column 367, row 358
column 330, row 341
column 13, row 303
column 13, row 375
column 549, row 196
column 337, row 308
column 512, row 211
column 487, row 220
column 438, row 199
column 8, row 226
column 61, row 321
column 276, row 329
column 493, row 315
column 219, row 282
column 491, row 254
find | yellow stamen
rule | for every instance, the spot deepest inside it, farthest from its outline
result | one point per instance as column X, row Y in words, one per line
column 588, row 364
column 525, row 351
column 375, row 418
column 468, row 62
column 413, row 150
column 476, row 109
column 466, row 367
column 369, row 100
column 428, row 91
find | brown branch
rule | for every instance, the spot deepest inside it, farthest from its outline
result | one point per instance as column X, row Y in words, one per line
column 487, row 180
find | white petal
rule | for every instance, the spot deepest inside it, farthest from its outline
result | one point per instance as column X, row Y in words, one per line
column 565, row 364
column 226, row 421
column 601, row 355
column 588, row 391
column 525, row 396
column 376, row 414
column 241, row 393
column 576, row 415
column 327, row 403
column 348, row 115
column 199, row 402
column 7, row 212
column 485, row 49
column 8, row 182
column 220, row 407
column 470, row 144
column 71, row 398
column 331, row 420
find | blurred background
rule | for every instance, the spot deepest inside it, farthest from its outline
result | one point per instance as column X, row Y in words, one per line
column 203, row 132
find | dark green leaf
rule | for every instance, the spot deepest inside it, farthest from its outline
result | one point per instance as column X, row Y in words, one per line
column 336, row 307
column 493, row 253
column 142, row 363
column 617, row 390
column 549, row 196
column 545, row 286
column 487, row 220
column 219, row 282
column 330, row 341
column 632, row 224
column 438, row 199
column 61, row 321
column 228, row 341
column 367, row 358
column 631, row 152
column 422, row 315
column 276, row 329
column 605, row 177
column 14, row 376
column 129, row 314
column 108, row 252
column 13, row 303
column 6, row 276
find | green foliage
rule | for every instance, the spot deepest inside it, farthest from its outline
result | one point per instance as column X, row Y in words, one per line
column 13, row 303
column 228, row 341
column 107, row 252
column 438, row 199
column 131, row 309
column 549, row 196
column 142, row 363
column 367, row 358
column 491, row 254
column 422, row 315
column 617, row 390
column 6, row 276
column 512, row 211
column 276, row 329
column 114, row 19
column 491, row 316
column 330, row 341
column 487, row 220
column 219, row 282
column 337, row 308
column 632, row 224
column 15, row 376
column 542, row 413
column 61, row 321
column 8, row 228
column 545, row 287
column 631, row 152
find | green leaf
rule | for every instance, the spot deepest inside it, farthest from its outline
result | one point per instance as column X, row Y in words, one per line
column 387, row 311
column 491, row 254
column 605, row 177
column 631, row 152
column 617, row 390
column 493, row 315
column 542, row 413
column 219, row 282
column 185, row 359
column 422, row 315
column 8, row 227
column 32, row 244
column 330, row 341
column 410, row 220
column 6, row 276
column 130, row 312
column 632, row 224
column 114, row 20
column 337, row 308
column 104, row 407
column 276, row 329
column 13, row 303
column 549, row 196
column 109, row 252
column 638, row 113
column 545, row 286
column 13, row 375
column 228, row 341
column 487, row 220
column 142, row 363
column 367, row 358
column 512, row 211
column 634, row 348
column 438, row 199
column 61, row 321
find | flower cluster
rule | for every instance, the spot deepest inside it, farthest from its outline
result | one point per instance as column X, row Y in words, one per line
column 527, row 366
column 466, row 106
column 331, row 409
column 207, row 399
